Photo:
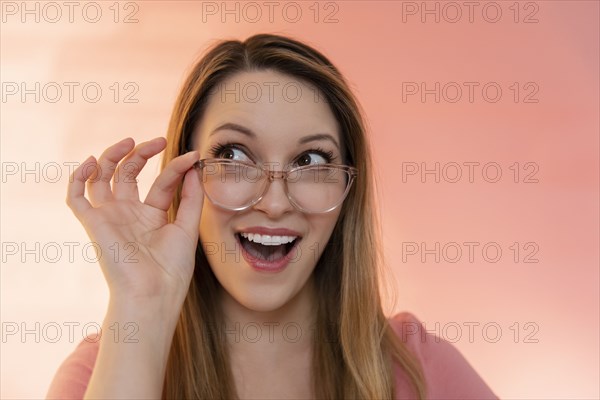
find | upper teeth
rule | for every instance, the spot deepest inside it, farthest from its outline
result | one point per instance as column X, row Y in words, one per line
column 268, row 240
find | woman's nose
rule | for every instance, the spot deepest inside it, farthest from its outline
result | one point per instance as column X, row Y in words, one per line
column 275, row 201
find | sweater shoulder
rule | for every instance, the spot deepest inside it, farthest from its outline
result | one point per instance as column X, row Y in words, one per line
column 448, row 374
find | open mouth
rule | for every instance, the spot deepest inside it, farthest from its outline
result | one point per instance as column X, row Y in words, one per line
column 267, row 248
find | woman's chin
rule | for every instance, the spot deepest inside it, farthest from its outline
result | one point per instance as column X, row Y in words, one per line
column 265, row 297
column 262, row 302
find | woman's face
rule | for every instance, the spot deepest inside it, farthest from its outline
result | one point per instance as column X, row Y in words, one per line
column 279, row 111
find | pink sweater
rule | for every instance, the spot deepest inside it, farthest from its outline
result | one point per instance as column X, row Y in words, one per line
column 448, row 374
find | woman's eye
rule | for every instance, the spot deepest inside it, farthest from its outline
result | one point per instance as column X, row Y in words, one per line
column 311, row 158
column 232, row 153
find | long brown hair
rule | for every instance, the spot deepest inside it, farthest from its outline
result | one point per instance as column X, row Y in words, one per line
column 356, row 347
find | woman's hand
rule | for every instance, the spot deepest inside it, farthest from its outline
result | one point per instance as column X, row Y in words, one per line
column 141, row 255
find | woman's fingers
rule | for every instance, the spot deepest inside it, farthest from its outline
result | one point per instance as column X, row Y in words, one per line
column 99, row 183
column 76, row 189
column 164, row 187
column 190, row 208
column 97, row 175
column 125, row 178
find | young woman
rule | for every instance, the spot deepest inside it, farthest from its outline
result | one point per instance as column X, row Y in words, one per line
column 257, row 254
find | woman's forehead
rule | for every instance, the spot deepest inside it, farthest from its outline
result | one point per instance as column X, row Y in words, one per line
column 267, row 103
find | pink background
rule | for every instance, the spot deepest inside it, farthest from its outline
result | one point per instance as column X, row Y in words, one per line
column 378, row 48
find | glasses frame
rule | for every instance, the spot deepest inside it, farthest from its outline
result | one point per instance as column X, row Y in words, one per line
column 272, row 175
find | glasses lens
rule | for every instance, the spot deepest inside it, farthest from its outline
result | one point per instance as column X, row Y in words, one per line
column 232, row 185
column 318, row 188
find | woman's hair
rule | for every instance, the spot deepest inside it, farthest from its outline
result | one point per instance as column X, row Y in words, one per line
column 354, row 345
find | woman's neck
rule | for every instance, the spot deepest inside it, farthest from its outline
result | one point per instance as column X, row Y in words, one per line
column 288, row 328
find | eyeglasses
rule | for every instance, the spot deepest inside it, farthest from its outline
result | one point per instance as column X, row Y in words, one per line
column 237, row 185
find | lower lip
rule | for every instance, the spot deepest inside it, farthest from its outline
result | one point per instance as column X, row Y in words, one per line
column 268, row 266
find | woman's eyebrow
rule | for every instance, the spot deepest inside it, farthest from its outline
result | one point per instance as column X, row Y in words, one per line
column 318, row 136
column 248, row 132
column 233, row 127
